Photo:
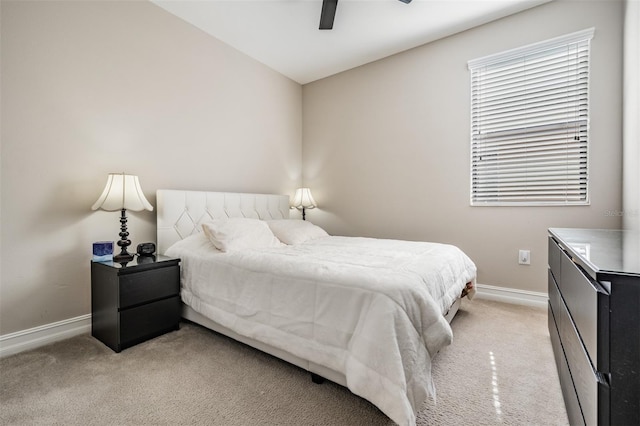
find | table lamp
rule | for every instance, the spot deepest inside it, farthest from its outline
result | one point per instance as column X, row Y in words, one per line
column 123, row 193
column 303, row 200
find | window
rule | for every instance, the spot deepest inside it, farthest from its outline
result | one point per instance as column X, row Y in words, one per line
column 529, row 124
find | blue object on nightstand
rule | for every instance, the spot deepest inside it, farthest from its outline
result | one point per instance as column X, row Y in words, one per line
column 103, row 251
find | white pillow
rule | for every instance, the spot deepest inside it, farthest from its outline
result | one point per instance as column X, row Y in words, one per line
column 295, row 231
column 239, row 233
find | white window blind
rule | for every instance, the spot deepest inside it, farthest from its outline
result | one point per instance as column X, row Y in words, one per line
column 530, row 122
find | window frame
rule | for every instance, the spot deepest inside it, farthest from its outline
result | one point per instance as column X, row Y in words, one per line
column 509, row 56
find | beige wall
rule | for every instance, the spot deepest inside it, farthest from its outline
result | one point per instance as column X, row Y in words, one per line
column 95, row 87
column 631, row 120
column 386, row 145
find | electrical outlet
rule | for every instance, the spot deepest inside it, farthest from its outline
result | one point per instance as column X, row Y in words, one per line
column 524, row 257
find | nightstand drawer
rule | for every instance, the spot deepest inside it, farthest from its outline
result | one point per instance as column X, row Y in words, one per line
column 142, row 287
column 150, row 320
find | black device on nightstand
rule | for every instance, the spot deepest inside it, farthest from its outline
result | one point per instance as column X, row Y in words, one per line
column 146, row 249
column 135, row 301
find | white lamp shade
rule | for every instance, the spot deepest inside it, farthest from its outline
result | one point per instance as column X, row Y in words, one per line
column 122, row 192
column 303, row 198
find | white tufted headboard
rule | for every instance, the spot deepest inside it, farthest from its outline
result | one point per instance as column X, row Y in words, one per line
column 181, row 213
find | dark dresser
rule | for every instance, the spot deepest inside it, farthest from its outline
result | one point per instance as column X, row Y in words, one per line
column 594, row 323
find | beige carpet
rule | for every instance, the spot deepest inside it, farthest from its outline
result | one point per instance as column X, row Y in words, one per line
column 499, row 370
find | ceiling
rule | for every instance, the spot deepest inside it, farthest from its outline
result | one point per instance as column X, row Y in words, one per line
column 284, row 34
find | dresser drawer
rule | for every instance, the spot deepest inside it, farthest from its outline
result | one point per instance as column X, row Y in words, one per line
column 142, row 287
column 566, row 383
column 555, row 300
column 583, row 376
column 555, row 259
column 588, row 307
column 150, row 320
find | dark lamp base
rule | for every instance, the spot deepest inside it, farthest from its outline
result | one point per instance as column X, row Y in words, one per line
column 124, row 242
column 123, row 257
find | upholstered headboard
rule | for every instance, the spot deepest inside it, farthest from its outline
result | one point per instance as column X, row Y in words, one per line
column 182, row 213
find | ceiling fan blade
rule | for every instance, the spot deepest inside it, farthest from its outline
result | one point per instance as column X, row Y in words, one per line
column 328, row 13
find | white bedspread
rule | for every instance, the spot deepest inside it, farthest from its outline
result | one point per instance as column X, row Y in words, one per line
column 368, row 308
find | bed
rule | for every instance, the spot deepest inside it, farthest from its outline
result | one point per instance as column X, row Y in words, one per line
column 365, row 313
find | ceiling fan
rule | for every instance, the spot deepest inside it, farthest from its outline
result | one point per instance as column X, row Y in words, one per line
column 329, row 12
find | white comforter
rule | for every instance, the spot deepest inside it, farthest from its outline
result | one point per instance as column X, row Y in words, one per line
column 368, row 308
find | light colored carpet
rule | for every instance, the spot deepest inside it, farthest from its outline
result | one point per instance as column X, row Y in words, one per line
column 499, row 370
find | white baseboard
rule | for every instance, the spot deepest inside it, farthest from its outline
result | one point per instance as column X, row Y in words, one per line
column 512, row 295
column 39, row 336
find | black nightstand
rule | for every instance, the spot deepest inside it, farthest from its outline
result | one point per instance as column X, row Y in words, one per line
column 134, row 302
